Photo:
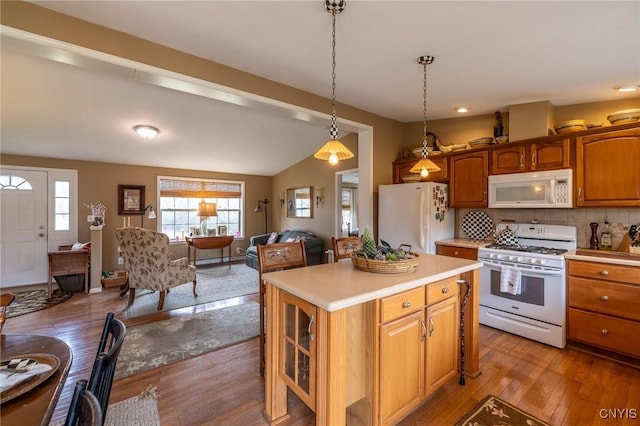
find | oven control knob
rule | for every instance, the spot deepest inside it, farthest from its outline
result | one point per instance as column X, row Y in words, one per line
column 532, row 261
column 542, row 261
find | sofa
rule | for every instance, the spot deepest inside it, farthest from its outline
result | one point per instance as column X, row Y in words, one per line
column 313, row 245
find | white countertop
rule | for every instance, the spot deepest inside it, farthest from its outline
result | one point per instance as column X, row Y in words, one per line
column 606, row 257
column 466, row 242
column 335, row 286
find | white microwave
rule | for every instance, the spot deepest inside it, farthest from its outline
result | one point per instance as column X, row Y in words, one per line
column 548, row 189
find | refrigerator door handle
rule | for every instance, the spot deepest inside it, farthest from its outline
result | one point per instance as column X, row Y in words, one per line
column 421, row 220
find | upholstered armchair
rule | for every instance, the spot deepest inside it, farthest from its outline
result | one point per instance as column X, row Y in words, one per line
column 148, row 263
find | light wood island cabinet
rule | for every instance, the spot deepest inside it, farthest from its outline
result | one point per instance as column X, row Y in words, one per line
column 383, row 342
column 603, row 305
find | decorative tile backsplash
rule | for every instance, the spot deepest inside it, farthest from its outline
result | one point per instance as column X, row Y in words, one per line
column 619, row 220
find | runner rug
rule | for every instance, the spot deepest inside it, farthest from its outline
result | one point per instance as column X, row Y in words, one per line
column 494, row 411
column 164, row 342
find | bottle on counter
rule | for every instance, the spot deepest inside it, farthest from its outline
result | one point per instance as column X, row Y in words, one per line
column 605, row 237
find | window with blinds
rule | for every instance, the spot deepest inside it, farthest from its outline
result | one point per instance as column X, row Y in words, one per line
column 179, row 199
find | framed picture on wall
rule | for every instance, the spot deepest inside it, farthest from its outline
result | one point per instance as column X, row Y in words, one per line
column 222, row 230
column 130, row 199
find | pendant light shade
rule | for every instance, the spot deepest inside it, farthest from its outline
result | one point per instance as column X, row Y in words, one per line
column 424, row 166
column 333, row 151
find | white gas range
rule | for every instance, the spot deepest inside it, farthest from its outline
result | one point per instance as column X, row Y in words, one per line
column 535, row 306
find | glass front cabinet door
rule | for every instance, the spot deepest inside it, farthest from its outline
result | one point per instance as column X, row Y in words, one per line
column 298, row 354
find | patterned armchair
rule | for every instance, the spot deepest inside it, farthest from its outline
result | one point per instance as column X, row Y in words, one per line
column 148, row 263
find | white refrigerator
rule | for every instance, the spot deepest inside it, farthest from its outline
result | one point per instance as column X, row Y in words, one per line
column 416, row 214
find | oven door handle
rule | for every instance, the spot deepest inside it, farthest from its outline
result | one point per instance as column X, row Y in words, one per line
column 528, row 272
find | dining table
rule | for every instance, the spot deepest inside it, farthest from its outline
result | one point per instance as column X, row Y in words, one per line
column 35, row 406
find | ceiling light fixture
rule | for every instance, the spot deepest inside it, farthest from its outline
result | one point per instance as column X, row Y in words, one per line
column 424, row 166
column 333, row 150
column 629, row 87
column 462, row 109
column 145, row 131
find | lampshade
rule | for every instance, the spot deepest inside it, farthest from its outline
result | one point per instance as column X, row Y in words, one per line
column 424, row 166
column 207, row 209
column 333, row 151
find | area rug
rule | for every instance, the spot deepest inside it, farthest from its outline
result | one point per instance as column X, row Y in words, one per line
column 214, row 283
column 34, row 300
column 160, row 343
column 141, row 410
column 494, row 411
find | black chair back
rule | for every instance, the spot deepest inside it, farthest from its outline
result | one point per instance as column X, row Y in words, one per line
column 104, row 366
column 85, row 408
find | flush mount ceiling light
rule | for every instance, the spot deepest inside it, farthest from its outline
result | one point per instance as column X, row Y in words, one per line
column 628, row 87
column 333, row 150
column 147, row 132
column 424, row 166
column 462, row 109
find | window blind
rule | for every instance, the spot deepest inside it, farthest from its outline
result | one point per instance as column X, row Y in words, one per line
column 199, row 189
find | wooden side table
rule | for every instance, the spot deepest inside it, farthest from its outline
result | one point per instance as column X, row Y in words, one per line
column 207, row 243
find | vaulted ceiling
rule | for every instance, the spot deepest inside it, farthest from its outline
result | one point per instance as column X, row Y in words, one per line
column 489, row 55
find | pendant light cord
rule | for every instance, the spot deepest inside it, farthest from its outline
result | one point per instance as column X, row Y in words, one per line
column 424, row 107
column 334, row 127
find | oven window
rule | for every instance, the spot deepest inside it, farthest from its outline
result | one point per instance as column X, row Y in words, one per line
column 532, row 289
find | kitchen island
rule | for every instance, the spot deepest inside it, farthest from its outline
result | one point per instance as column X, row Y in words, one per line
column 365, row 348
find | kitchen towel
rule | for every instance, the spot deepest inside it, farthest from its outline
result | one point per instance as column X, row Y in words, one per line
column 510, row 280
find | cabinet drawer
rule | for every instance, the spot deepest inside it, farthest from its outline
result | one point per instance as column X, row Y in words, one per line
column 605, row 271
column 614, row 334
column 616, row 299
column 455, row 251
column 441, row 290
column 401, row 304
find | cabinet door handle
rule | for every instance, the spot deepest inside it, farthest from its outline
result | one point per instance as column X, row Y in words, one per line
column 445, row 290
column 580, row 194
column 484, row 195
column 406, row 305
column 533, row 159
column 311, row 321
column 432, row 326
column 604, row 298
column 604, row 272
column 522, row 161
column 424, row 331
column 604, row 331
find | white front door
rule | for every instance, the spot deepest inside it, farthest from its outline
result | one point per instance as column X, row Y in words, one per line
column 23, row 218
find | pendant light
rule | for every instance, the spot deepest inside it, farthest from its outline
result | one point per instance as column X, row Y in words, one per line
column 333, row 150
column 424, row 166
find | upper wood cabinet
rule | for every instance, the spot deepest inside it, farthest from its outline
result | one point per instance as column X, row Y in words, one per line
column 468, row 175
column 402, row 167
column 607, row 169
column 531, row 156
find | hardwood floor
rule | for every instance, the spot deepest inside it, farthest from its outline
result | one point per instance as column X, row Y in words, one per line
column 562, row 387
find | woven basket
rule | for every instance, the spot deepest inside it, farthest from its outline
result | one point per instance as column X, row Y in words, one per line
column 116, row 279
column 360, row 261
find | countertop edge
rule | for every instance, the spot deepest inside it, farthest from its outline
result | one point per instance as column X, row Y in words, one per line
column 572, row 255
column 466, row 243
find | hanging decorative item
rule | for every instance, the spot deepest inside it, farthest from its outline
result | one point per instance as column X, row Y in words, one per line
column 333, row 150
column 424, row 166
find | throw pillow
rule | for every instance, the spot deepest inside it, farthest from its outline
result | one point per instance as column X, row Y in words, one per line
column 272, row 238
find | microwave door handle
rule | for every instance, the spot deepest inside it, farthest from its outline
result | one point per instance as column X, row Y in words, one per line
column 552, row 186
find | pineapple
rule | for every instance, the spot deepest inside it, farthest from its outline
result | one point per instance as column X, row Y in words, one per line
column 369, row 246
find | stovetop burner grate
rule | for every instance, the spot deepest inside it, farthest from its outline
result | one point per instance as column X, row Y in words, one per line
column 529, row 249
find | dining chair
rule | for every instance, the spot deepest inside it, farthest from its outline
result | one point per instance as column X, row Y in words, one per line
column 85, row 408
column 104, row 365
column 5, row 300
column 344, row 247
column 275, row 257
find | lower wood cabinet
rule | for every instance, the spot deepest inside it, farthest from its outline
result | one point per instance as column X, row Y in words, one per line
column 603, row 301
column 419, row 348
column 470, row 253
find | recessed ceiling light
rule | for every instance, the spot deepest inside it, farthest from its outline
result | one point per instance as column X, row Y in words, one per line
column 628, row 87
column 145, row 131
column 462, row 109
